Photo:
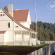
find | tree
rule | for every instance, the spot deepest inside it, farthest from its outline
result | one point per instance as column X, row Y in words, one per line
column 6, row 8
column 46, row 31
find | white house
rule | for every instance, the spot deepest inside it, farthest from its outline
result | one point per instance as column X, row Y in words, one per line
column 15, row 27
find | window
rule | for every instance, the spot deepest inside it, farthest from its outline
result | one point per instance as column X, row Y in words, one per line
column 3, row 14
column 9, row 25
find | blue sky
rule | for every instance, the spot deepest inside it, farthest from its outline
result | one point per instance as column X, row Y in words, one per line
column 43, row 12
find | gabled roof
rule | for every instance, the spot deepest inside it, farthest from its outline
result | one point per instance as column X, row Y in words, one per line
column 20, row 15
column 12, row 18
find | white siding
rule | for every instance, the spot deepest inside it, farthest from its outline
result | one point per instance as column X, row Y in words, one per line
column 4, row 22
column 4, row 25
column 28, row 22
column 26, row 37
column 5, row 17
column 18, row 37
column 8, row 36
column 19, row 28
column 1, row 39
column 29, row 18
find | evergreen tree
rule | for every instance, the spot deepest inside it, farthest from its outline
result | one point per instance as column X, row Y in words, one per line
column 6, row 8
column 46, row 31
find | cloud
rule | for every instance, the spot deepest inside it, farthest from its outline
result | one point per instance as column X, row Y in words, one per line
column 52, row 6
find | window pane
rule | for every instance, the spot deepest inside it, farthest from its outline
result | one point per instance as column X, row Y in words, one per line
column 9, row 25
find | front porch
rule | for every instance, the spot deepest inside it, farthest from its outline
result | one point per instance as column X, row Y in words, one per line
column 23, row 38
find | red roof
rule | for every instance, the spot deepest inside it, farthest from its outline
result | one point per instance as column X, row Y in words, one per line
column 18, row 22
column 2, row 32
column 20, row 15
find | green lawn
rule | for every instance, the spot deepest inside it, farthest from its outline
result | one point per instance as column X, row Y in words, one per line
column 20, row 50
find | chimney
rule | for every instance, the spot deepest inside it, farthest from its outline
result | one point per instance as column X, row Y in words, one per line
column 11, row 10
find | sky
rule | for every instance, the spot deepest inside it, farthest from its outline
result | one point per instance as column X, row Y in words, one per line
column 45, row 8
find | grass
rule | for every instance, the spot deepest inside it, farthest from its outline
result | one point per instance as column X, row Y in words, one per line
column 9, row 50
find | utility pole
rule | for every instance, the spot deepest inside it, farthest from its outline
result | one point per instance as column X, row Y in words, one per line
column 36, row 15
column 36, row 23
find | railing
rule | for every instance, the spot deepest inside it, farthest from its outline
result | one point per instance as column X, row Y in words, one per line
column 47, row 42
column 16, row 43
column 48, row 50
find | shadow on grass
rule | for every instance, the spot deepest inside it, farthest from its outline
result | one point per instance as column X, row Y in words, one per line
column 7, row 53
column 54, row 53
column 18, row 50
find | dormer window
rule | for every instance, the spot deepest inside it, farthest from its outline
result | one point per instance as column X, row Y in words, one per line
column 8, row 24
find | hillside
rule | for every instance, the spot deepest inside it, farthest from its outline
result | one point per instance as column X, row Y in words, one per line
column 46, row 31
